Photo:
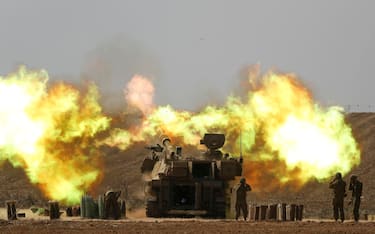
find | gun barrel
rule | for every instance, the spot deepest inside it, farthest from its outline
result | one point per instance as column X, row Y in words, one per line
column 156, row 148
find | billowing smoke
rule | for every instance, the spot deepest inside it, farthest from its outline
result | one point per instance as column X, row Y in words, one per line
column 111, row 66
column 139, row 93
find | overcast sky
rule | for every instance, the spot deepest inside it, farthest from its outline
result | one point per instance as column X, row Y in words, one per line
column 195, row 50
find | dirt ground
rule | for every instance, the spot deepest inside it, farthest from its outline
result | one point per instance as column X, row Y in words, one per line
column 181, row 226
column 136, row 223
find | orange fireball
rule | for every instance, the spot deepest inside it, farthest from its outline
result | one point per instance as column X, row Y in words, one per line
column 50, row 133
column 292, row 138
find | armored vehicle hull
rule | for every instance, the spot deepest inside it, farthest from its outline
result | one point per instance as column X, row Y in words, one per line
column 187, row 186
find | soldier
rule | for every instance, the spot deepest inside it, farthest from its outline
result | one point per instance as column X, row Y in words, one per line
column 356, row 188
column 241, row 203
column 338, row 185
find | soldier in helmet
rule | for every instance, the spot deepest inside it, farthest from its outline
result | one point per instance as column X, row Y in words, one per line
column 338, row 185
column 241, row 203
column 356, row 187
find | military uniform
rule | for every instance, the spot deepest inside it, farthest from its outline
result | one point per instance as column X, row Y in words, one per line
column 339, row 186
column 356, row 188
column 241, row 203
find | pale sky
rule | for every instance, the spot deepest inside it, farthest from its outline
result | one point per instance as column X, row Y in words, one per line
column 194, row 50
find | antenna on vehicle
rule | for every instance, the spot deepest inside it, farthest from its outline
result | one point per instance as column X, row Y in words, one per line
column 241, row 158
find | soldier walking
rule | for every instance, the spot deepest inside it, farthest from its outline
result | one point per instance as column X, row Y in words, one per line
column 356, row 187
column 338, row 185
column 241, row 203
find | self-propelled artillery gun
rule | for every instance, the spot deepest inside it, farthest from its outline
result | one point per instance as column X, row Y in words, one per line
column 186, row 186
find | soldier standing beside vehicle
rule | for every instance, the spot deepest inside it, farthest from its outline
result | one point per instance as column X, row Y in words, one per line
column 356, row 188
column 241, row 203
column 338, row 185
